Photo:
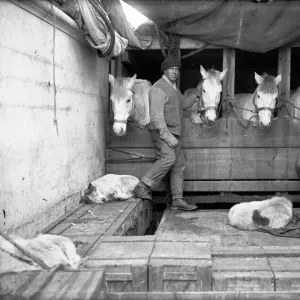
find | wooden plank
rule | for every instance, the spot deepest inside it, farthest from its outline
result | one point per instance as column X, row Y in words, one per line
column 284, row 132
column 118, row 67
column 185, row 43
column 228, row 81
column 218, row 198
column 242, row 186
column 217, row 163
column 284, row 68
column 286, row 295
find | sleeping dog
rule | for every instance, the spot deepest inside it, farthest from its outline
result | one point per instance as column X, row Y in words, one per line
column 109, row 187
column 275, row 213
column 52, row 249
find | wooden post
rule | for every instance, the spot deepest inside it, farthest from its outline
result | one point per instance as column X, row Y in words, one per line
column 228, row 81
column 118, row 66
column 284, row 68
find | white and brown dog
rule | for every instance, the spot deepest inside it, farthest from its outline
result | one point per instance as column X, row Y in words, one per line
column 52, row 249
column 276, row 212
column 109, row 187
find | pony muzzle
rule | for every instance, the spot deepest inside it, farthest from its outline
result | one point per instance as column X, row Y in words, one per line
column 265, row 116
column 120, row 127
column 211, row 115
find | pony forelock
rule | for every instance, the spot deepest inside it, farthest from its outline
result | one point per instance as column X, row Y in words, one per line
column 268, row 85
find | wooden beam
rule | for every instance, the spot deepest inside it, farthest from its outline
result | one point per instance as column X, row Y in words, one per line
column 185, row 43
column 159, row 197
column 118, row 66
column 284, row 68
column 228, row 81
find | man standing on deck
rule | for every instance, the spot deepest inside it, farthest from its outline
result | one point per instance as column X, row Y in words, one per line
column 166, row 104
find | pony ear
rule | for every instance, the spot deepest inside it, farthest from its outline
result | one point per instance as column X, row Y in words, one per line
column 258, row 78
column 223, row 73
column 131, row 82
column 111, row 79
column 203, row 72
column 278, row 79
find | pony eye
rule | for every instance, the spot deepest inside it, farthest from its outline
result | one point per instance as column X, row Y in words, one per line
column 204, row 91
column 258, row 96
column 128, row 100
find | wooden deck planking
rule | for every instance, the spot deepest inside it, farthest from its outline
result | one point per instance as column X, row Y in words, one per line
column 214, row 224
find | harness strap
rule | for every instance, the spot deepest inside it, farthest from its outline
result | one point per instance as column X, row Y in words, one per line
column 120, row 121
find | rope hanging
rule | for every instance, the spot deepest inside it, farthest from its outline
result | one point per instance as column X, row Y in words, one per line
column 171, row 42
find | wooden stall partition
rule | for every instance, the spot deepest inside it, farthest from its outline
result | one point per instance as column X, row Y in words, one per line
column 229, row 157
column 228, row 81
column 284, row 68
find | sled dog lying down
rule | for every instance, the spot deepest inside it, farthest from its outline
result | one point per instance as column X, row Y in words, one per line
column 109, row 187
column 275, row 213
column 52, row 249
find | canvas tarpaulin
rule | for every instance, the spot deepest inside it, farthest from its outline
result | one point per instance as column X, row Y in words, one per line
column 242, row 24
column 96, row 30
column 94, row 27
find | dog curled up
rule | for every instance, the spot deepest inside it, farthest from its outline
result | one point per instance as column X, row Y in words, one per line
column 274, row 213
column 108, row 188
column 52, row 249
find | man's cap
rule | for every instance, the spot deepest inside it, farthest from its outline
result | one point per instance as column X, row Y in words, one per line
column 169, row 62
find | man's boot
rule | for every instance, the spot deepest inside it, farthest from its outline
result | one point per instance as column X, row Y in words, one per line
column 142, row 191
column 180, row 204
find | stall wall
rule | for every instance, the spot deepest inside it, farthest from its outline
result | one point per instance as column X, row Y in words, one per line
column 43, row 168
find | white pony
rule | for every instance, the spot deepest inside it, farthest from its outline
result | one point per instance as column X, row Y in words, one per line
column 276, row 212
column 109, row 187
column 261, row 103
column 52, row 249
column 130, row 102
column 208, row 93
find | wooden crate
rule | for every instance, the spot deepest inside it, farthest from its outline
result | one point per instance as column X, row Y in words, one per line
column 61, row 285
column 251, row 274
column 125, row 260
column 287, row 273
column 90, row 223
column 180, row 266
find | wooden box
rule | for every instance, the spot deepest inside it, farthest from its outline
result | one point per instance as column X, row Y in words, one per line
column 242, row 274
column 180, row 266
column 287, row 273
column 125, row 260
column 61, row 285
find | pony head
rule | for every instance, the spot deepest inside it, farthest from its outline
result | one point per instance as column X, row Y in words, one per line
column 211, row 88
column 265, row 98
column 122, row 101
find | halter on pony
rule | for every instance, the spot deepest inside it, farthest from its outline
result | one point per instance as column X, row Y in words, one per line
column 212, row 96
column 267, row 87
column 201, row 108
column 122, row 101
